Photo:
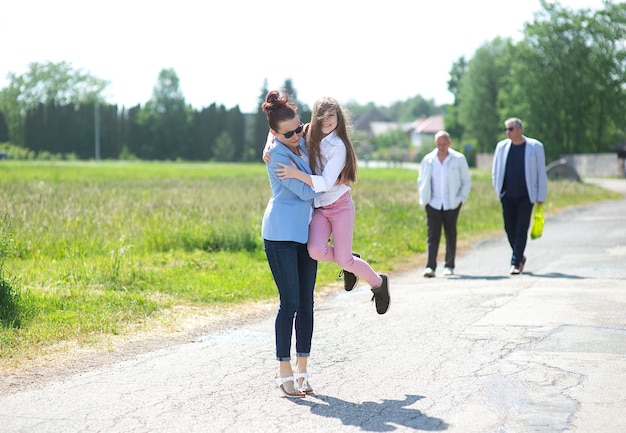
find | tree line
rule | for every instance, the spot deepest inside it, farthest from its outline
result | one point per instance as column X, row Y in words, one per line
column 66, row 122
column 566, row 79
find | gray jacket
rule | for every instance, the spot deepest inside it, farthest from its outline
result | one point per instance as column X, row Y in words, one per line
column 535, row 169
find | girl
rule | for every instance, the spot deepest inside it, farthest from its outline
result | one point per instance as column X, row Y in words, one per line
column 333, row 161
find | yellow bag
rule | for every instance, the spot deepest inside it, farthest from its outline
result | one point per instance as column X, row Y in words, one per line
column 537, row 229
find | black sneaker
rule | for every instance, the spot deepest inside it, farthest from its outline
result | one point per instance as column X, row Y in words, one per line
column 381, row 296
column 350, row 280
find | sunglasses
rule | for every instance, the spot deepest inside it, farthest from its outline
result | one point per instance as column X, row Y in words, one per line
column 298, row 130
column 509, row 129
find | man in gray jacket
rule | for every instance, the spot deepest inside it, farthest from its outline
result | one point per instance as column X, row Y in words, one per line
column 444, row 184
column 520, row 180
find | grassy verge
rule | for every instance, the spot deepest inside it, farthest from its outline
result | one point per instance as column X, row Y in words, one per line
column 90, row 250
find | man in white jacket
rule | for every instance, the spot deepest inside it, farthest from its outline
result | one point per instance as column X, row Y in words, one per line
column 444, row 184
column 520, row 180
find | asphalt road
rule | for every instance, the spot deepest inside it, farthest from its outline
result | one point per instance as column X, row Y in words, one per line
column 481, row 351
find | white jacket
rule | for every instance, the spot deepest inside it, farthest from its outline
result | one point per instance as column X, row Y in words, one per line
column 459, row 179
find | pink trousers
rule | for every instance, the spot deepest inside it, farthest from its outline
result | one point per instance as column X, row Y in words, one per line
column 338, row 219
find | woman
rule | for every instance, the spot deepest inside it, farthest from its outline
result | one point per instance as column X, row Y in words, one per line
column 285, row 232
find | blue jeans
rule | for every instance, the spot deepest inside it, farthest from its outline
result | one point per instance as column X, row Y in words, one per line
column 294, row 273
column 516, row 212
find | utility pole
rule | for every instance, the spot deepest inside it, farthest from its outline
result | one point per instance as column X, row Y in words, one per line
column 97, row 129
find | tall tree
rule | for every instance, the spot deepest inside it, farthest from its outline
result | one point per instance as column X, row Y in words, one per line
column 235, row 127
column 303, row 109
column 479, row 88
column 166, row 120
column 4, row 129
column 574, row 98
column 200, row 141
column 290, row 90
column 609, row 58
column 451, row 117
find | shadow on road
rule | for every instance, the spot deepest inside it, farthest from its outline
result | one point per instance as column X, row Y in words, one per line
column 555, row 275
column 372, row 416
column 478, row 277
column 503, row 277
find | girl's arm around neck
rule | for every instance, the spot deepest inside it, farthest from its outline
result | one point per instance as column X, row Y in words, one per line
column 293, row 172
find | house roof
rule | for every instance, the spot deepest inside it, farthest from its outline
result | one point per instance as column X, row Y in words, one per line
column 428, row 125
column 374, row 122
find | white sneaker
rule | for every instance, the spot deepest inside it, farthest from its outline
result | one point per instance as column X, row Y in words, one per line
column 429, row 273
column 448, row 271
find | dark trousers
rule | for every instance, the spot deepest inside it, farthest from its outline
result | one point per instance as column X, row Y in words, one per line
column 294, row 273
column 516, row 212
column 435, row 219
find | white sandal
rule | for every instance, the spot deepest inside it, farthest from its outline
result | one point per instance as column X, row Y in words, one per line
column 305, row 387
column 280, row 382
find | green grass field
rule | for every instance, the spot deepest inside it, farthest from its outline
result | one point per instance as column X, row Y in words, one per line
column 90, row 249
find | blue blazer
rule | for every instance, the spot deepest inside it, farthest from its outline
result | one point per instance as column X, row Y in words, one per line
column 535, row 169
column 289, row 210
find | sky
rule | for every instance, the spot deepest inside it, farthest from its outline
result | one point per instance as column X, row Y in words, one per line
column 224, row 52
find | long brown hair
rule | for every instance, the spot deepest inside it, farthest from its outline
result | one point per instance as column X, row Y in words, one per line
column 314, row 137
